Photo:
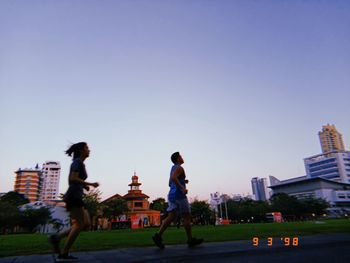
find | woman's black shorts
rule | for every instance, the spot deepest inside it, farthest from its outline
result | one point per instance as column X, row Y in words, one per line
column 74, row 203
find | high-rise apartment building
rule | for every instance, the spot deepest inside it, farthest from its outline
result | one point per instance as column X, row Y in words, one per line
column 50, row 180
column 331, row 139
column 28, row 183
column 334, row 162
column 260, row 191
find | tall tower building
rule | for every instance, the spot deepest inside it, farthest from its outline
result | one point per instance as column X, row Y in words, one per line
column 260, row 191
column 50, row 180
column 331, row 139
column 28, row 183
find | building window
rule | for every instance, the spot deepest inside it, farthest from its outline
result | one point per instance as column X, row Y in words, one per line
column 138, row 204
column 331, row 160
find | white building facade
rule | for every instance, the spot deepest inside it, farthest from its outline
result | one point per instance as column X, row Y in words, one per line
column 333, row 165
column 336, row 193
column 51, row 171
column 60, row 220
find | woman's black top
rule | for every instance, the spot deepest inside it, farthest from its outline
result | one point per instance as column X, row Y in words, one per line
column 75, row 193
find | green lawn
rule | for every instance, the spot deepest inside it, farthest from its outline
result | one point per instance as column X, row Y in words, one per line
column 24, row 244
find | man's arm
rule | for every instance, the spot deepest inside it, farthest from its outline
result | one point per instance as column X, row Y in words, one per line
column 174, row 177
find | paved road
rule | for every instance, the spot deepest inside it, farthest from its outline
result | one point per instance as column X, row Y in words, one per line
column 332, row 248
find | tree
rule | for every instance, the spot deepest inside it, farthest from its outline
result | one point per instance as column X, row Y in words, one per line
column 31, row 217
column 314, row 206
column 159, row 204
column 201, row 212
column 233, row 210
column 247, row 210
column 9, row 216
column 114, row 208
column 9, row 212
column 288, row 205
column 92, row 202
column 254, row 211
column 14, row 198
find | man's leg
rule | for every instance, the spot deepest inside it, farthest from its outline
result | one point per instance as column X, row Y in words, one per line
column 170, row 218
column 187, row 226
column 185, row 210
column 157, row 238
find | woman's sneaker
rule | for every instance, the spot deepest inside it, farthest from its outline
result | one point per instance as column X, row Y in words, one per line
column 66, row 258
column 55, row 242
column 195, row 242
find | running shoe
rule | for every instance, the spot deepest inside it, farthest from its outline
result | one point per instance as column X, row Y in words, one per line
column 55, row 242
column 157, row 239
column 195, row 242
column 66, row 258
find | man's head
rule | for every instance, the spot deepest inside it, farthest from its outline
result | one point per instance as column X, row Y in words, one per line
column 176, row 158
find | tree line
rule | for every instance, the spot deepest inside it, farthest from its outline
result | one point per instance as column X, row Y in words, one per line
column 247, row 210
column 244, row 210
column 12, row 218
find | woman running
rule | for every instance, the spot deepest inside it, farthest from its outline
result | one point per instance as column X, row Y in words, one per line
column 74, row 201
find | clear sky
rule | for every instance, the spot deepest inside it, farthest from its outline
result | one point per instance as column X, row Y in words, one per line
column 240, row 88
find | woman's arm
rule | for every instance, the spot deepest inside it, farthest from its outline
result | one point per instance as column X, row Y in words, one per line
column 74, row 177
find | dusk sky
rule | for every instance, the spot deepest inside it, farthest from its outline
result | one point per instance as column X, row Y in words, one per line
column 240, row 88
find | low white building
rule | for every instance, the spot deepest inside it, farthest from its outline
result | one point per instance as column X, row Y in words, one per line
column 336, row 193
column 60, row 219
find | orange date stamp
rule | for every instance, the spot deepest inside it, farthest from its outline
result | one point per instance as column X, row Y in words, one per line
column 270, row 241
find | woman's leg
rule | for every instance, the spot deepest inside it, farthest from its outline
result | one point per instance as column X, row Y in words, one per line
column 87, row 220
column 77, row 214
column 55, row 239
column 63, row 234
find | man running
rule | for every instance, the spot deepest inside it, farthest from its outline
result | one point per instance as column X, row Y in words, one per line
column 178, row 203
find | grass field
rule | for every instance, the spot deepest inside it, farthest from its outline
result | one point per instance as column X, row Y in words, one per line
column 24, row 244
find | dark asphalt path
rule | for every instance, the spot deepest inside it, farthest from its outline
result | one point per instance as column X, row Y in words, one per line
column 326, row 248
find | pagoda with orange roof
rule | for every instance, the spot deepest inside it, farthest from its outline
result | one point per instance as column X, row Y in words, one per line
column 138, row 204
column 139, row 214
column 135, row 198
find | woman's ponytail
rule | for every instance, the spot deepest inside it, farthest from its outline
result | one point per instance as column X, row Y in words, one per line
column 76, row 149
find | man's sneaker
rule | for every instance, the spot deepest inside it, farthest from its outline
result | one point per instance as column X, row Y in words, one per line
column 157, row 239
column 55, row 242
column 195, row 242
column 66, row 258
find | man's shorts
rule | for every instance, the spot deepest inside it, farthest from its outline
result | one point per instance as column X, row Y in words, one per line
column 180, row 206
